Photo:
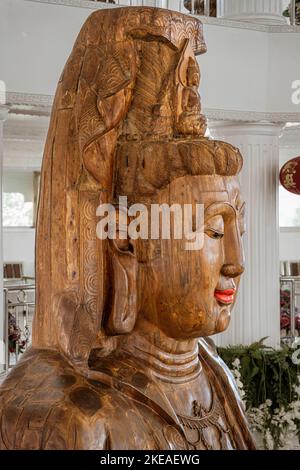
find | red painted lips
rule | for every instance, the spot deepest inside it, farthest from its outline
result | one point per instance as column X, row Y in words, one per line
column 225, row 296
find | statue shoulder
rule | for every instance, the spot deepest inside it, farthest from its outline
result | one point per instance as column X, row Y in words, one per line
column 45, row 404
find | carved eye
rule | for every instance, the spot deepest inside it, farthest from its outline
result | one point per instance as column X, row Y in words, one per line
column 215, row 228
column 214, row 234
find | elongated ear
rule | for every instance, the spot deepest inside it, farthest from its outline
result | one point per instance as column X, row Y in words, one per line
column 74, row 329
column 123, row 298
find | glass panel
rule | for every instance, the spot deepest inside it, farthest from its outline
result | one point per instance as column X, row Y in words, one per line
column 20, row 197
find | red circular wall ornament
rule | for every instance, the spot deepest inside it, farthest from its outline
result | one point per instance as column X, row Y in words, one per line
column 290, row 176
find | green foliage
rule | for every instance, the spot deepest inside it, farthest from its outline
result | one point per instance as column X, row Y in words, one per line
column 266, row 373
column 287, row 11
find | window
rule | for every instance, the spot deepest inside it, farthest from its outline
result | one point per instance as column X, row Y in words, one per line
column 289, row 203
column 19, row 198
column 289, row 209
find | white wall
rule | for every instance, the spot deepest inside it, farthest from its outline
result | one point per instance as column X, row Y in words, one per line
column 289, row 244
column 284, row 68
column 40, row 37
column 244, row 69
column 235, row 69
column 18, row 245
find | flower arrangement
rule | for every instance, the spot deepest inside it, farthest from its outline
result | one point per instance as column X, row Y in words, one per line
column 14, row 335
column 277, row 427
column 268, row 381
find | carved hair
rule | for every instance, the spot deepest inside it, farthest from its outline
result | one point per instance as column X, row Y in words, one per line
column 143, row 169
column 100, row 100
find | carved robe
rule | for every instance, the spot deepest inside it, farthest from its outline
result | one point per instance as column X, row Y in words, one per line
column 46, row 404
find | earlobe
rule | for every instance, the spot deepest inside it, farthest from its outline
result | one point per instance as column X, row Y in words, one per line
column 123, row 302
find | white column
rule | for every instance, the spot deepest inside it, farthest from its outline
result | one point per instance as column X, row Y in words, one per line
column 3, row 114
column 257, row 11
column 256, row 314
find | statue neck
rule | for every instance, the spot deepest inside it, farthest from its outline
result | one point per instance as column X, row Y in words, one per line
column 168, row 359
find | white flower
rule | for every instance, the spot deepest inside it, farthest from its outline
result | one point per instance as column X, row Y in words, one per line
column 269, row 403
column 236, row 363
column 239, row 383
column 297, row 389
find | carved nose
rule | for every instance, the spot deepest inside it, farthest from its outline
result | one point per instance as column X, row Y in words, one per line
column 232, row 270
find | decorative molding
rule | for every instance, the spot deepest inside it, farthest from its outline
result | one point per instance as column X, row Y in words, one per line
column 275, row 28
column 36, row 104
column 28, row 103
column 262, row 11
column 263, row 19
column 284, row 29
column 26, row 99
column 242, row 129
column 79, row 3
column 290, row 230
column 250, row 116
column 290, row 138
column 229, row 23
column 29, row 99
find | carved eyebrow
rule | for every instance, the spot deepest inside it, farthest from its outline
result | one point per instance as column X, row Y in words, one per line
column 219, row 208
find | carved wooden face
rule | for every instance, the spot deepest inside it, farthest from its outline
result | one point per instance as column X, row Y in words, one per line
column 189, row 294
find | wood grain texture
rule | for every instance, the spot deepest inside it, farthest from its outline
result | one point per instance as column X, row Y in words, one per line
column 119, row 358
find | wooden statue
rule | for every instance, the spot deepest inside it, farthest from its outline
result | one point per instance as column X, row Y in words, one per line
column 120, row 358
